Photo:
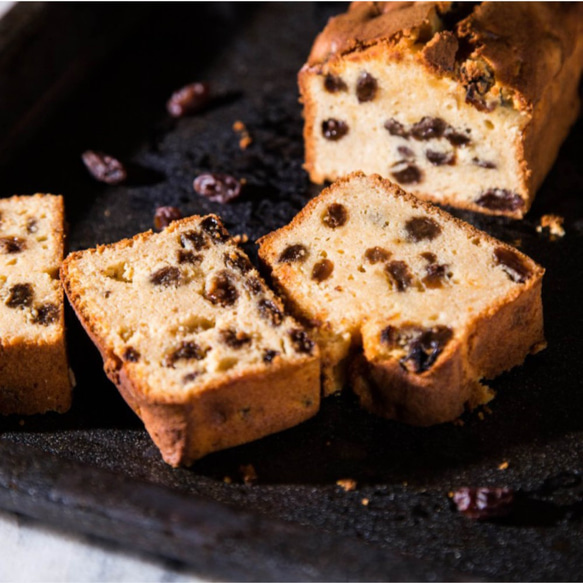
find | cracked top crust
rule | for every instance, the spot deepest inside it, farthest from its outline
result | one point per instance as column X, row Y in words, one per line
column 519, row 46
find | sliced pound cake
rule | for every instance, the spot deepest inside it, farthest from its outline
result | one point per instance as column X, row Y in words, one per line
column 461, row 103
column 417, row 304
column 198, row 346
column 34, row 373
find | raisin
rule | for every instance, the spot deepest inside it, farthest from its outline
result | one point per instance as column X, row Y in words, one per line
column 269, row 355
column 512, row 264
column 104, row 168
column 335, row 216
column 455, row 138
column 500, row 199
column 428, row 256
column 396, row 128
column 409, row 174
column 11, row 245
column 217, row 187
column 377, row 254
column 189, row 99
column 334, row 84
column 188, row 378
column 237, row 261
column 440, row 158
column 187, row 350
column 253, row 285
column 422, row 228
column 20, row 296
column 322, row 270
column 164, row 215
column 366, row 88
column 46, row 314
column 193, row 240
column 233, row 338
column 215, row 229
column 222, row 290
column 483, row 163
column 484, row 503
column 334, row 129
column 167, row 276
column 435, row 275
column 130, row 354
column 31, row 226
column 400, row 274
column 185, row 256
column 301, row 341
column 271, row 312
column 293, row 254
column 428, row 128
column 406, row 152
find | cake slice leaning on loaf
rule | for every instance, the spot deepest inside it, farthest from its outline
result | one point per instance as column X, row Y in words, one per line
column 417, row 304
column 198, row 346
column 34, row 372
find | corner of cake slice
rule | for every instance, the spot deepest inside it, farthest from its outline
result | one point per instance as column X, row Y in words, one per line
column 196, row 343
column 34, row 371
column 410, row 303
column 464, row 104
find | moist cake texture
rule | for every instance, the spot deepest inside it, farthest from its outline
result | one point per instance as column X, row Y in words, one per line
column 198, row 346
column 465, row 104
column 34, row 373
column 413, row 306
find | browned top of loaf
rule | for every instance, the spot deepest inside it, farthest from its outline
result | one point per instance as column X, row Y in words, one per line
column 525, row 43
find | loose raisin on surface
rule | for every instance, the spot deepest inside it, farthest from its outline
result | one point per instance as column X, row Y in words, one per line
column 46, row 314
column 189, row 99
column 104, row 168
column 399, row 274
column 293, row 254
column 422, row 228
column 11, row 245
column 253, row 285
column 167, row 276
column 20, row 296
column 187, row 350
column 440, row 158
column 484, row 503
column 269, row 355
column 335, row 216
column 322, row 270
column 193, row 240
column 456, row 138
column 334, row 84
column 164, row 215
column 512, row 264
column 186, row 256
column 237, row 261
column 217, row 187
column 396, row 128
column 483, row 163
column 271, row 312
column 407, row 174
column 130, row 354
column 334, row 129
column 435, row 275
column 301, row 341
column 234, row 338
column 222, row 290
column 500, row 199
column 366, row 88
column 377, row 254
column 428, row 128
column 213, row 227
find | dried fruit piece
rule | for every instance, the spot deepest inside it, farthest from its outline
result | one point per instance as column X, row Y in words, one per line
column 269, row 355
column 271, row 312
column 500, row 199
column 187, row 350
column 334, row 129
column 253, row 285
column 213, row 228
column 164, row 215
column 406, row 152
column 422, row 228
column 335, row 216
column 104, row 167
column 237, row 261
column 301, row 341
column 436, row 274
column 484, row 503
column 399, row 274
column 406, row 173
column 217, row 187
column 189, row 99
column 456, row 138
column 293, row 254
column 440, row 158
column 11, row 245
column 20, row 296
column 334, row 84
column 234, row 338
column 193, row 240
column 186, row 256
column 428, row 128
column 512, row 264
column 46, row 314
column 222, row 290
column 396, row 128
column 130, row 354
column 366, row 88
column 377, row 254
column 483, row 163
column 322, row 270
column 167, row 276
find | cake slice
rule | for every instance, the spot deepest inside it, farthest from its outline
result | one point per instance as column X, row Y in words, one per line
column 196, row 343
column 465, row 104
column 34, row 373
column 413, row 304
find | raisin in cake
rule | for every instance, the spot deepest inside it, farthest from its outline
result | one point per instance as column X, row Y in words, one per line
column 198, row 346
column 460, row 103
column 416, row 305
column 34, row 373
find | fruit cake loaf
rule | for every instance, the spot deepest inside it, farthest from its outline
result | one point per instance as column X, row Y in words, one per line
column 198, row 346
column 465, row 104
column 34, row 373
column 416, row 305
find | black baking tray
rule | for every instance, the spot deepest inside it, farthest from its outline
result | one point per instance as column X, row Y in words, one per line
column 96, row 471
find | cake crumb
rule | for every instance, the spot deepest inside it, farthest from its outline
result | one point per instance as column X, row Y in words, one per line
column 248, row 473
column 553, row 224
column 245, row 139
column 228, row 480
column 239, row 239
column 347, row 484
column 365, row 501
column 503, row 465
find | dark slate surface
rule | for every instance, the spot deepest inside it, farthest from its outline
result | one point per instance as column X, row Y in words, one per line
column 80, row 469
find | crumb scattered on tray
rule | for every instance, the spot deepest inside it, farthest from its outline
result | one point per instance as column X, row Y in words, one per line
column 245, row 139
column 503, row 465
column 227, row 480
column 365, row 501
column 248, row 474
column 347, row 484
column 553, row 224
column 239, row 239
